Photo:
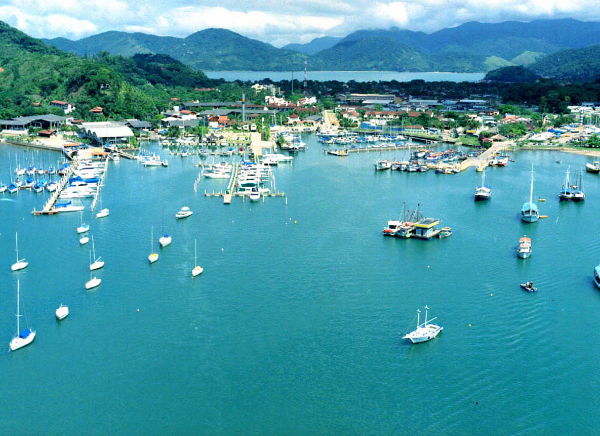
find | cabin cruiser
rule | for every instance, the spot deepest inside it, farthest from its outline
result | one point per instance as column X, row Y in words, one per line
column 524, row 250
column 184, row 213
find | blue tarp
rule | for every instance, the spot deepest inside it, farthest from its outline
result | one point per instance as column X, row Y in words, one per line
column 25, row 333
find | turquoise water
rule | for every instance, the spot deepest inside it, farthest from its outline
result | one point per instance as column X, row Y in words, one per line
column 346, row 76
column 296, row 328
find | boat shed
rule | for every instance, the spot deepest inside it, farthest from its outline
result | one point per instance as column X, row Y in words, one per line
column 425, row 228
column 106, row 132
column 49, row 121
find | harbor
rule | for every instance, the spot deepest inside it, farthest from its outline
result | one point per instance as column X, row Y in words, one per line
column 326, row 314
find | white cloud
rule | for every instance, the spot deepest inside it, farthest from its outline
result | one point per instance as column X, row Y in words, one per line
column 46, row 26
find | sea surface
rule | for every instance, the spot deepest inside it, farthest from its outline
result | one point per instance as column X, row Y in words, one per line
column 296, row 324
column 345, row 76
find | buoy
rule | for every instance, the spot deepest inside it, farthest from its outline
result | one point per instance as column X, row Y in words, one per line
column 469, row 325
column 295, row 222
column 541, row 199
column 138, row 310
column 491, row 295
column 543, row 216
column 222, row 249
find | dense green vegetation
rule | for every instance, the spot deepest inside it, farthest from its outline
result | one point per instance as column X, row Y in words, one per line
column 574, row 64
column 314, row 46
column 516, row 74
column 137, row 87
column 470, row 47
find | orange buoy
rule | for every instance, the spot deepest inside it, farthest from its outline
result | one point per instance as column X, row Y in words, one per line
column 543, row 216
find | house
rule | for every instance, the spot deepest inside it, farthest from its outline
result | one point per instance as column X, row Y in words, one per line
column 66, row 107
column 22, row 124
column 96, row 111
column 294, row 118
column 47, row 133
column 137, row 124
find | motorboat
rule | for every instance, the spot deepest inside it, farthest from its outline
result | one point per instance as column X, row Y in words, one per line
column 444, row 232
column 524, row 250
column 62, row 312
column 20, row 263
column 103, row 213
column 392, row 228
column 593, row 168
column 528, row 286
column 184, row 213
column 425, row 331
column 254, row 194
column 383, row 165
column 25, row 337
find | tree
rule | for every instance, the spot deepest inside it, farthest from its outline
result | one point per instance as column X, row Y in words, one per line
column 173, row 132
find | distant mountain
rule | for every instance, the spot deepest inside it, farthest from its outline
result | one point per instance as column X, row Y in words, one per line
column 574, row 64
column 470, row 47
column 315, row 46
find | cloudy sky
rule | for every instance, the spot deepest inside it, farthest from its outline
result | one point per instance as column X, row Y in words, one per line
column 275, row 21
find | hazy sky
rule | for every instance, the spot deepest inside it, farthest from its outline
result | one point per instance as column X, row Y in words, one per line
column 277, row 22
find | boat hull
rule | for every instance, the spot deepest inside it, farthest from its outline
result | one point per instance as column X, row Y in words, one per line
column 19, row 342
column 93, row 283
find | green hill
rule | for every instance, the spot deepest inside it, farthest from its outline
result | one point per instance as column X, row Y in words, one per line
column 513, row 74
column 124, row 87
column 314, row 46
column 575, row 64
column 527, row 58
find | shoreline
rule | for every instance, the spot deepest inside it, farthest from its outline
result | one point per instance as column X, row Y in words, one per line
column 583, row 152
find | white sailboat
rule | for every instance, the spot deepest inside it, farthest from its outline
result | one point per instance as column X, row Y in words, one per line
column 62, row 312
column 197, row 269
column 425, row 331
column 83, row 227
column 103, row 212
column 153, row 256
column 25, row 337
column 97, row 262
column 165, row 239
column 84, row 240
column 21, row 263
column 93, row 282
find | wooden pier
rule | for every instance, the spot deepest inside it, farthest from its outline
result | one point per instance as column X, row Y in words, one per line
column 48, row 208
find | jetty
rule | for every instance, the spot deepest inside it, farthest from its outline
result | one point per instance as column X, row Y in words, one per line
column 484, row 158
column 49, row 208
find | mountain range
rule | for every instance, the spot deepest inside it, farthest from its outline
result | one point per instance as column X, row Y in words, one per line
column 470, row 47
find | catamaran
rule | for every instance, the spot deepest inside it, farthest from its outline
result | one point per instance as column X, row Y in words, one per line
column 197, row 269
column 153, row 256
column 425, row 331
column 529, row 211
column 483, row 192
column 25, row 337
column 21, row 263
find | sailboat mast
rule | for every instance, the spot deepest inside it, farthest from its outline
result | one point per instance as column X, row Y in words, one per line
column 418, row 317
column 531, row 192
column 17, row 244
column 18, row 289
column 94, row 249
column 426, row 309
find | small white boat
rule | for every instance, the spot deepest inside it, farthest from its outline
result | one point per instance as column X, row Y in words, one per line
column 84, row 240
column 197, row 269
column 21, row 263
column 103, row 213
column 254, row 194
column 153, row 256
column 184, row 213
column 425, row 331
column 25, row 337
column 83, row 228
column 62, row 312
column 165, row 239
column 93, row 283
column 97, row 262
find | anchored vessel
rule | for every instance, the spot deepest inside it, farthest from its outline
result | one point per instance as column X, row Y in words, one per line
column 524, row 250
column 25, row 337
column 529, row 211
column 425, row 331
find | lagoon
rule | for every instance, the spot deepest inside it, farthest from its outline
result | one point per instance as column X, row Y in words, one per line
column 295, row 325
column 345, row 76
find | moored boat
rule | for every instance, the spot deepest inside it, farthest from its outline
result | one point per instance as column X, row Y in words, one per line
column 24, row 337
column 483, row 192
column 593, row 168
column 62, row 312
column 566, row 192
column 528, row 286
column 425, row 331
column 524, row 250
column 184, row 213
column 529, row 211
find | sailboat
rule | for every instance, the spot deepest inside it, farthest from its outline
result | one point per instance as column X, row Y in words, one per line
column 84, row 240
column 484, row 192
column 566, row 192
column 153, row 256
column 25, row 337
column 578, row 194
column 93, row 281
column 165, row 239
column 425, row 331
column 97, row 262
column 529, row 211
column 62, row 312
column 21, row 263
column 197, row 269
column 83, row 227
column 103, row 212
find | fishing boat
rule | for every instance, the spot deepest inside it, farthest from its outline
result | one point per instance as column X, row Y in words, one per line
column 197, row 269
column 483, row 192
column 94, row 281
column 597, row 276
column 528, row 286
column 529, row 211
column 97, row 262
column 184, row 213
column 578, row 194
column 165, row 239
column 62, row 312
column 566, row 192
column 524, row 250
column 254, row 194
column 24, row 337
column 21, row 263
column 593, row 168
column 153, row 255
column 392, row 228
column 424, row 332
